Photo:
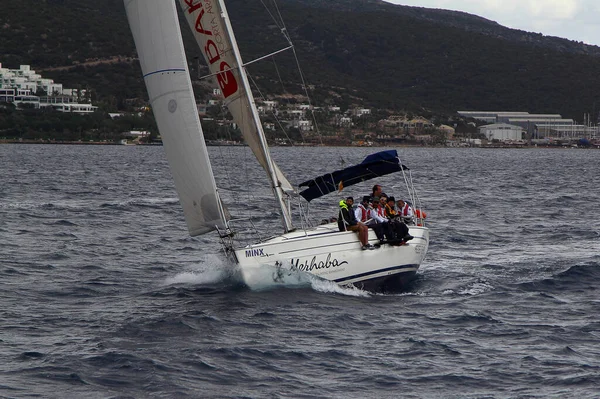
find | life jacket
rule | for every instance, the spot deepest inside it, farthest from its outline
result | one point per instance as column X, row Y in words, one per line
column 390, row 212
column 421, row 215
column 364, row 213
column 404, row 210
column 342, row 222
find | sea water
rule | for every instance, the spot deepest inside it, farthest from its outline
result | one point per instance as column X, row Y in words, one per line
column 104, row 295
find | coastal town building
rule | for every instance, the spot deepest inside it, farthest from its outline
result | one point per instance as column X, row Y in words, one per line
column 536, row 126
column 491, row 116
column 402, row 125
column 22, row 86
column 358, row 112
column 502, row 132
column 449, row 131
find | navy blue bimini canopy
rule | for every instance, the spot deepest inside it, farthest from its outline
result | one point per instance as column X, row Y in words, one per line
column 375, row 165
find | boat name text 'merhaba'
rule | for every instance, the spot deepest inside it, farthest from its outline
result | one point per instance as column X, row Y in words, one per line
column 313, row 264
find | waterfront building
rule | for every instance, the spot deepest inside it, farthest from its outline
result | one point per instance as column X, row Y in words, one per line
column 491, row 116
column 502, row 132
column 536, row 126
column 20, row 87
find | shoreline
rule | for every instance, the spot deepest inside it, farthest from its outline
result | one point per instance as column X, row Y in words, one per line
column 111, row 143
column 494, row 146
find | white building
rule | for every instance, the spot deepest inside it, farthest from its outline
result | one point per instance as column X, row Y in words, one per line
column 344, row 121
column 296, row 114
column 19, row 86
column 74, row 107
column 270, row 105
column 502, row 132
column 358, row 112
column 303, row 107
column 491, row 116
column 304, row 125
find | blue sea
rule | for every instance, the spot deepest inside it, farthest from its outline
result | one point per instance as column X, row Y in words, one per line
column 104, row 295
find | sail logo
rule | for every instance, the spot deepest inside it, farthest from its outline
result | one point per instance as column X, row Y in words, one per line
column 309, row 266
column 215, row 43
column 255, row 252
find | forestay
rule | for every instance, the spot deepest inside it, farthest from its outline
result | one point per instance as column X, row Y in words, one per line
column 157, row 37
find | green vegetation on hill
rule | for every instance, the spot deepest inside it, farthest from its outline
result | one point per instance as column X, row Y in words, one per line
column 365, row 52
column 48, row 124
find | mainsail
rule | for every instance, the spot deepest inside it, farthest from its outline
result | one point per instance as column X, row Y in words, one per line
column 157, row 37
column 209, row 23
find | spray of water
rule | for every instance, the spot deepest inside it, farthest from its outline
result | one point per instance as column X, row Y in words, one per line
column 267, row 277
column 213, row 269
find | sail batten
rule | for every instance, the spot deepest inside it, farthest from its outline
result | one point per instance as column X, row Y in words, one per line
column 165, row 70
column 156, row 32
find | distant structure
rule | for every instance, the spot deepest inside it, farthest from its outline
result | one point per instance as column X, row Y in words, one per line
column 502, row 132
column 534, row 126
column 21, row 87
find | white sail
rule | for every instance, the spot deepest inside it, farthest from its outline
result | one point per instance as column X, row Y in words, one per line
column 208, row 26
column 157, row 37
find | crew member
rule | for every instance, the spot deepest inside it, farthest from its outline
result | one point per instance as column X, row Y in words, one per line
column 347, row 221
column 405, row 211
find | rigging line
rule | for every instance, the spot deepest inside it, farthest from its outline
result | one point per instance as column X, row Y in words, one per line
column 285, row 32
column 284, row 90
column 247, row 63
column 283, row 28
column 304, row 86
column 272, row 113
column 291, row 46
column 277, row 22
column 221, row 152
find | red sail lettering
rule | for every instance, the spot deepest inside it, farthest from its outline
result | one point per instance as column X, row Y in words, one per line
column 199, row 27
column 226, row 80
column 212, row 52
column 192, row 7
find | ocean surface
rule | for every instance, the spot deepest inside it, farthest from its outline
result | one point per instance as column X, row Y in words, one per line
column 104, row 295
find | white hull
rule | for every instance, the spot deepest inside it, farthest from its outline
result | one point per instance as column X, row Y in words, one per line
column 337, row 256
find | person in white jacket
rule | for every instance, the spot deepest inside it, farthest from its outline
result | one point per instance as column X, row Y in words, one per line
column 362, row 210
column 378, row 222
column 406, row 212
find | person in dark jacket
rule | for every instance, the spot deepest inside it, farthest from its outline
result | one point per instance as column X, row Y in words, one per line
column 397, row 224
column 347, row 222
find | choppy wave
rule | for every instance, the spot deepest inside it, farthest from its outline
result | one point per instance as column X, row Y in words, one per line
column 104, row 294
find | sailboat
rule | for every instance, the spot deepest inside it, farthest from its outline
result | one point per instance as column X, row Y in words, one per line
column 321, row 250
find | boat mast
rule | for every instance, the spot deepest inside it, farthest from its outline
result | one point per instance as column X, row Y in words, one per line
column 276, row 185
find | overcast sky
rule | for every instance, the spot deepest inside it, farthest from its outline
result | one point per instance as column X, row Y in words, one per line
column 570, row 19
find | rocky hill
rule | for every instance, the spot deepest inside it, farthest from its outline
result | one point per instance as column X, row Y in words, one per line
column 360, row 51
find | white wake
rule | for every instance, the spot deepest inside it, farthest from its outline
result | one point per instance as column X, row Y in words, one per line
column 267, row 277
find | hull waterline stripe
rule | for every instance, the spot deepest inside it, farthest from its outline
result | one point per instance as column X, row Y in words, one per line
column 376, row 272
column 164, row 70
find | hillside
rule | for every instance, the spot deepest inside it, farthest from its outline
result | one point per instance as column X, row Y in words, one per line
column 364, row 51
